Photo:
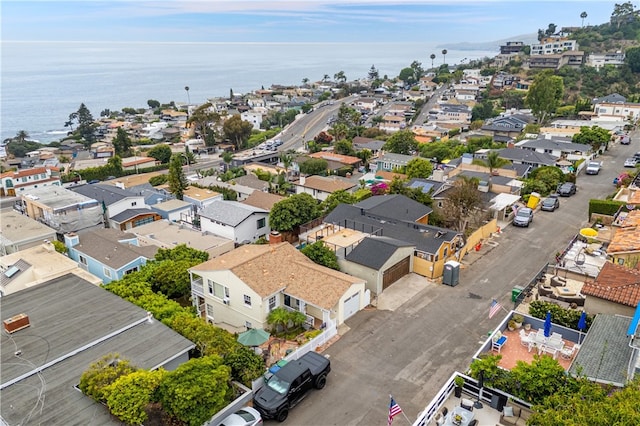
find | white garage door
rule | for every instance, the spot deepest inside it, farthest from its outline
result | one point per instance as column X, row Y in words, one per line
column 351, row 305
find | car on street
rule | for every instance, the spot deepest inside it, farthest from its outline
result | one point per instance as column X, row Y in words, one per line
column 593, row 167
column 630, row 162
column 246, row 416
column 625, row 140
column 567, row 189
column 523, row 217
column 550, row 204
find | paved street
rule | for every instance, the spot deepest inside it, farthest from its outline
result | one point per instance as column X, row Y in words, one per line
column 410, row 351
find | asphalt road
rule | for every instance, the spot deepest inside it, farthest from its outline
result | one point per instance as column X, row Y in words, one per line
column 428, row 106
column 412, row 351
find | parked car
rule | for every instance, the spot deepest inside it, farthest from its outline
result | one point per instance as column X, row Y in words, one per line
column 550, row 204
column 637, row 156
column 524, row 216
column 593, row 167
column 630, row 162
column 246, row 416
column 625, row 140
column 567, row 189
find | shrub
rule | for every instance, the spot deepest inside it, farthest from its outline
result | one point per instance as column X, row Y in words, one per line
column 95, row 381
column 565, row 317
column 605, row 207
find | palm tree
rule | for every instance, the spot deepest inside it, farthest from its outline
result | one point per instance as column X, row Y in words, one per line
column 287, row 160
column 186, row 88
column 326, row 78
column 22, row 136
column 305, row 81
column 444, row 56
column 493, row 162
column 433, row 56
column 583, row 15
column 227, row 157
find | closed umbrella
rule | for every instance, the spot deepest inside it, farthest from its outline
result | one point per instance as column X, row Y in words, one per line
column 582, row 324
column 547, row 325
column 253, row 337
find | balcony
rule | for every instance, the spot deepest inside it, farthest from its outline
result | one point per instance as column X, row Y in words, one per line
column 197, row 287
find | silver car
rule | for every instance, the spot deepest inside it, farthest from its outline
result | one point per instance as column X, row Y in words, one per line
column 524, row 216
column 246, row 416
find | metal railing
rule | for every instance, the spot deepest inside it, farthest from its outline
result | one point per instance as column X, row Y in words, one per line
column 527, row 289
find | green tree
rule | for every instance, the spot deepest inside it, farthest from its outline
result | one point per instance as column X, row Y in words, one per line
column 177, row 180
column 321, row 254
column 226, row 158
column 278, row 317
column 594, row 136
column 122, row 142
column 95, row 380
column 237, row 131
column 622, row 12
column 545, row 94
column 296, row 210
column 336, row 198
column 419, row 168
column 314, row 166
column 483, row 110
column 340, row 77
column 182, row 252
column 583, row 16
column 196, row 390
column 60, row 247
column 344, row 147
column 287, row 161
column 407, row 75
column 161, row 152
column 402, row 142
column 21, row 136
column 86, row 125
column 130, row 395
column 245, row 365
column 158, row 180
column 535, row 381
column 494, row 162
column 114, row 166
column 153, row 104
column 373, row 73
column 632, row 59
column 170, row 277
column 462, row 204
column 204, row 120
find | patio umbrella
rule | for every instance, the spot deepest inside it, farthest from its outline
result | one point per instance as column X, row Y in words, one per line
column 582, row 324
column 547, row 325
column 253, row 337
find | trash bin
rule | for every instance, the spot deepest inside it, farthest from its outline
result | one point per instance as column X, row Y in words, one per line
column 515, row 292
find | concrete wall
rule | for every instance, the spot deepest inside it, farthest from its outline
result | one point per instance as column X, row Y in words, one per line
column 371, row 277
column 596, row 305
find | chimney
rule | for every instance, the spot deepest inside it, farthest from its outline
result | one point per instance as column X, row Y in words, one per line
column 16, row 322
column 275, row 237
column 302, row 180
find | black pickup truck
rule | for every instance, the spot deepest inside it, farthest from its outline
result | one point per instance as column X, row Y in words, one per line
column 290, row 384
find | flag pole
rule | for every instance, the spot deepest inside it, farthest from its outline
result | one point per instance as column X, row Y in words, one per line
column 403, row 413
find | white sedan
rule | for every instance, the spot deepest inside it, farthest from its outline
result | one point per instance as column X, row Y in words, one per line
column 630, row 162
column 246, row 416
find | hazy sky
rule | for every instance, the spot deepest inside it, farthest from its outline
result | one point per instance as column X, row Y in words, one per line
column 438, row 21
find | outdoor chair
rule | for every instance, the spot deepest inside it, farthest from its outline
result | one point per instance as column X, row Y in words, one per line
column 467, row 404
column 526, row 340
column 557, row 281
column 544, row 290
column 497, row 344
column 549, row 350
column 567, row 353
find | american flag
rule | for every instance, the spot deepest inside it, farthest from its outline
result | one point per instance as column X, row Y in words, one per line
column 495, row 308
column 394, row 410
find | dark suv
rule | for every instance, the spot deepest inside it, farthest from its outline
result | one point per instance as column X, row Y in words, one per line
column 567, row 189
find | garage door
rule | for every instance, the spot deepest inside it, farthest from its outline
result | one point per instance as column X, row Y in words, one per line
column 394, row 273
column 351, row 305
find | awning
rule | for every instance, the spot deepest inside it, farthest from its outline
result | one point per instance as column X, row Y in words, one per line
column 500, row 201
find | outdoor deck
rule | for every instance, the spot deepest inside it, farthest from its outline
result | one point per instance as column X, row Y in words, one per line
column 513, row 351
column 485, row 415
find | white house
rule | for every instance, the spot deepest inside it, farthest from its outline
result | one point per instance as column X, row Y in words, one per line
column 622, row 111
column 240, row 288
column 14, row 183
column 320, row 187
column 234, row 220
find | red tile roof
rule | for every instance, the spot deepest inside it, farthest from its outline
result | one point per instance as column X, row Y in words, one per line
column 627, row 238
column 616, row 284
column 25, row 172
column 330, row 156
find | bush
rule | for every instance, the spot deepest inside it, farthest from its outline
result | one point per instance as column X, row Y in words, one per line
column 95, row 381
column 129, row 396
column 565, row 317
column 605, row 207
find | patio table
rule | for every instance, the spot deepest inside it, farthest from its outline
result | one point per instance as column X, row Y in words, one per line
column 465, row 417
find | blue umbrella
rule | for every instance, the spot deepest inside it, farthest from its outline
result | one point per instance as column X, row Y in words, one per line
column 582, row 324
column 547, row 325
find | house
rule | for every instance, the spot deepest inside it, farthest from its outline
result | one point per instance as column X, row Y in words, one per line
column 553, row 45
column 599, row 60
column 321, row 187
column 167, row 235
column 361, row 143
column 606, row 355
column 35, row 265
column 527, row 156
column 366, row 104
column 131, row 218
column 200, row 197
column 615, row 291
column 342, row 160
column 175, row 210
column 397, row 217
column 19, row 232
column 506, row 128
column 612, row 98
column 511, row 47
column 15, row 183
column 380, row 261
column 240, row 288
column 238, row 222
column 62, row 209
column 254, row 116
column 621, row 111
column 113, row 199
column 137, row 163
column 451, row 112
column 390, row 162
column 73, row 323
column 560, row 148
column 108, row 253
column 262, row 200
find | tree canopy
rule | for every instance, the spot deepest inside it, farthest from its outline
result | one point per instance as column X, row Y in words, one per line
column 314, row 166
column 237, row 131
column 402, row 142
column 177, row 180
column 321, row 254
column 594, row 136
column 419, row 168
column 545, row 94
column 296, row 210
column 161, row 152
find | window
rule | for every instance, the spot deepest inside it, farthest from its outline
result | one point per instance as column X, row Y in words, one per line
column 248, row 325
column 209, row 310
column 83, row 260
column 247, row 300
column 272, row 303
column 141, row 222
column 261, row 223
column 210, row 286
column 43, row 176
column 218, row 290
column 445, row 253
column 130, row 271
column 107, row 272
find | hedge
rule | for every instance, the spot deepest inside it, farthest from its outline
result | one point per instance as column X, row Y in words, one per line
column 565, row 317
column 605, row 207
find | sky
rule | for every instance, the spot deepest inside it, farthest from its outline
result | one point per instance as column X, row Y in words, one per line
column 226, row 21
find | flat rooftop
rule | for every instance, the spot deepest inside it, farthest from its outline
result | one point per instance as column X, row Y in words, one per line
column 164, row 232
column 16, row 227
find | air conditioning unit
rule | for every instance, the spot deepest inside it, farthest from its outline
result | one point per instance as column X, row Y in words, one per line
column 225, row 300
column 16, row 322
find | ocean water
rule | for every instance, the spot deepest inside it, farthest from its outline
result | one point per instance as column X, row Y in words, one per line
column 44, row 82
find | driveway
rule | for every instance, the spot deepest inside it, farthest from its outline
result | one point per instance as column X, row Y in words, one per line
column 425, row 333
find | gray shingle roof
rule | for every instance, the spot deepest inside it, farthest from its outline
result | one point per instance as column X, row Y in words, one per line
column 231, row 213
column 528, row 156
column 555, row 145
column 108, row 194
column 130, row 214
column 373, row 252
column 498, row 180
column 605, row 352
column 66, row 314
column 103, row 245
column 394, row 206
